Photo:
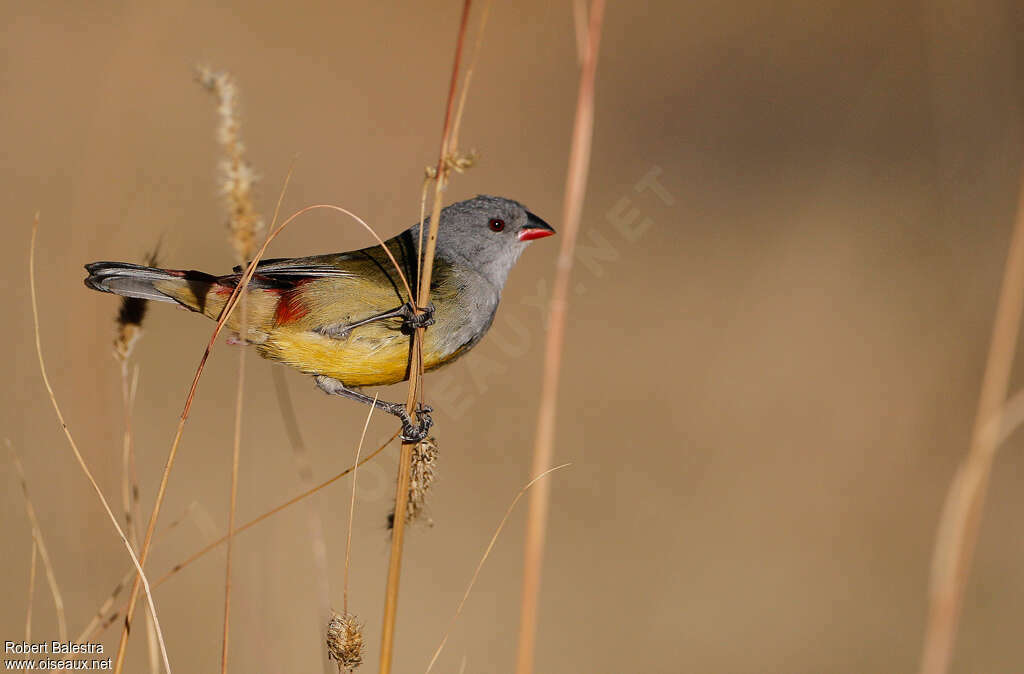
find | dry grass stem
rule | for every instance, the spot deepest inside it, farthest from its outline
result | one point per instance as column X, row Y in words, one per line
column 131, row 313
column 304, row 468
column 416, row 370
column 37, row 539
column 244, row 225
column 345, row 641
column 273, row 511
column 352, row 509
column 1010, row 419
column 235, row 456
column 958, row 527
column 579, row 23
column 251, row 523
column 74, row 445
column 575, row 189
column 101, row 616
column 344, row 632
column 459, row 161
column 130, row 479
column 483, row 559
column 31, row 590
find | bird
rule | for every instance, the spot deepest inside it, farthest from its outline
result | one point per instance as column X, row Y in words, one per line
column 346, row 318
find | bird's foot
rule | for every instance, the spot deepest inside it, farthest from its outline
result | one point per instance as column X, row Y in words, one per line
column 414, row 432
column 411, row 431
column 413, row 320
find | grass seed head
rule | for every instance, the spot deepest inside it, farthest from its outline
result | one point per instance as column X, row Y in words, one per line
column 130, row 315
column 237, row 176
column 345, row 640
column 421, row 477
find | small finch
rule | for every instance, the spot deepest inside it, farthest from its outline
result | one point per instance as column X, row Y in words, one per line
column 343, row 317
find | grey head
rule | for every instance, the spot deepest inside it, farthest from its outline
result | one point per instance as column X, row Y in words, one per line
column 487, row 234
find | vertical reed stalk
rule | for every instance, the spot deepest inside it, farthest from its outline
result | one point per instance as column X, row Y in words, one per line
column 575, row 189
column 958, row 528
column 415, row 370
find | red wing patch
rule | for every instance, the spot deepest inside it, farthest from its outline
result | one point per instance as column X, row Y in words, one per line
column 289, row 308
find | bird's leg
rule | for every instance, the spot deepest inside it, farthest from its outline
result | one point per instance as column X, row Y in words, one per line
column 410, row 432
column 411, row 320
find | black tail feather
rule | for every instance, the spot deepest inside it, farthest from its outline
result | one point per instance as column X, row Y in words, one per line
column 136, row 280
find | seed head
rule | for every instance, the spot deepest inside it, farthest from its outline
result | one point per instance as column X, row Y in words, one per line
column 129, row 319
column 421, row 477
column 345, row 640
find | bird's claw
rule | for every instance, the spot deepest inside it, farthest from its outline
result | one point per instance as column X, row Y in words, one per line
column 415, row 432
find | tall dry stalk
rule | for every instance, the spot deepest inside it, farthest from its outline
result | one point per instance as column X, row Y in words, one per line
column 483, row 559
column 958, row 527
column 273, row 511
column 236, row 449
column 38, row 545
column 244, row 225
column 103, row 618
column 352, row 511
column 416, row 367
column 130, row 480
column 344, row 631
column 141, row 577
column 31, row 591
column 304, row 468
column 130, row 316
column 575, row 189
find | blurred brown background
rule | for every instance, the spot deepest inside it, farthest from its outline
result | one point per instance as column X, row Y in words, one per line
column 770, row 373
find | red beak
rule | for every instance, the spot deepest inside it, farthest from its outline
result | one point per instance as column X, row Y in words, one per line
column 533, row 233
column 535, row 228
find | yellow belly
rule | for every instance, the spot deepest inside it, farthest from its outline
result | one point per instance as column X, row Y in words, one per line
column 367, row 357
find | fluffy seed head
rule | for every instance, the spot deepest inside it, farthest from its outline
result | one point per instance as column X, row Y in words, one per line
column 237, row 176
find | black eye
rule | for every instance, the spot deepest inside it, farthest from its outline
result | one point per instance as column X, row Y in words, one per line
column 496, row 225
